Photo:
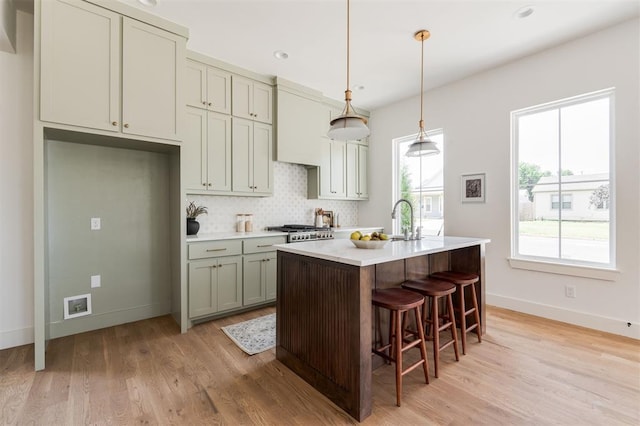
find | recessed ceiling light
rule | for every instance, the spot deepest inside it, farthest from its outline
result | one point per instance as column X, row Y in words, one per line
column 149, row 3
column 359, row 87
column 280, row 54
column 524, row 12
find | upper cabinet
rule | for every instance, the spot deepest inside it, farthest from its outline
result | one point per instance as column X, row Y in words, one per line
column 356, row 171
column 252, row 164
column 252, row 99
column 208, row 87
column 104, row 71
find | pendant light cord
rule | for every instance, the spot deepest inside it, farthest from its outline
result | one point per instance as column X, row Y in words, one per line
column 348, row 37
column 422, row 83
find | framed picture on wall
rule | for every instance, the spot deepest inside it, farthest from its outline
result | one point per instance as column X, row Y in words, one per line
column 473, row 188
column 327, row 219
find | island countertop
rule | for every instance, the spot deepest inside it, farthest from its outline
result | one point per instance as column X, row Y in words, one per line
column 343, row 250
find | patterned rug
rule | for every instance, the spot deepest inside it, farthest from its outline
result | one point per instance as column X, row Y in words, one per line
column 254, row 336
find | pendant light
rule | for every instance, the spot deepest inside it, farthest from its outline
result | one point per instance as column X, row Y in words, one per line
column 423, row 145
column 348, row 125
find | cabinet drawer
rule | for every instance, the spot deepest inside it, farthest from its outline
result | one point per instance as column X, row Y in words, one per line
column 259, row 245
column 214, row 249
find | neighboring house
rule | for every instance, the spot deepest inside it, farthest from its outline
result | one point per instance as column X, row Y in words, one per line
column 432, row 196
column 572, row 196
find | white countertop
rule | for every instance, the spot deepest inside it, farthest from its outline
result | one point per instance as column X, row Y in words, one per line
column 232, row 235
column 343, row 250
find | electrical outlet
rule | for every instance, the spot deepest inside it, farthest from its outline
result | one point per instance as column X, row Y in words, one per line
column 570, row 291
column 95, row 281
column 95, row 224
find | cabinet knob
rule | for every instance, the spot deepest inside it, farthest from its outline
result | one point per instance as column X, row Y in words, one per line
column 114, row 123
column 126, row 125
column 204, row 102
column 204, row 184
column 209, row 104
column 209, row 184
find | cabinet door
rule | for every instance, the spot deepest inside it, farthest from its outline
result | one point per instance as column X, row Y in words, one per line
column 152, row 66
column 218, row 90
column 262, row 108
column 271, row 275
column 338, row 157
column 242, row 155
column 196, row 84
column 363, row 171
column 254, row 286
column 219, row 152
column 242, row 95
column 194, row 150
column 352, row 170
column 202, row 288
column 262, row 158
column 229, row 277
column 80, row 65
column 324, row 170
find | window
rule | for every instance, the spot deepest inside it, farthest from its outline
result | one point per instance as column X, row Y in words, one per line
column 562, row 188
column 555, row 201
column 427, row 204
column 416, row 178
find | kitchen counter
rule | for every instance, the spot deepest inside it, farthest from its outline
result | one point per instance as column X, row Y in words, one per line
column 343, row 251
column 215, row 236
column 324, row 313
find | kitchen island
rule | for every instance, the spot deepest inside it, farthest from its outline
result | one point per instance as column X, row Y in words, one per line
column 324, row 314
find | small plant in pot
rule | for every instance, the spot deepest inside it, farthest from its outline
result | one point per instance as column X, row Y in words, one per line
column 193, row 211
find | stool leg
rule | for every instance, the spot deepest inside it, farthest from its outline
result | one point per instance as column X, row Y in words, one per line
column 398, row 350
column 454, row 333
column 463, row 319
column 392, row 327
column 423, row 346
column 476, row 313
column 435, row 325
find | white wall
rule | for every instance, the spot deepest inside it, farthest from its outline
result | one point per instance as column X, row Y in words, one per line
column 475, row 116
column 16, row 189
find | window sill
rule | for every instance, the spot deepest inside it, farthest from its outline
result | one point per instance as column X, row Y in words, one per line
column 573, row 270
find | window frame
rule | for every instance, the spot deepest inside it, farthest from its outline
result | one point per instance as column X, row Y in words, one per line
column 597, row 270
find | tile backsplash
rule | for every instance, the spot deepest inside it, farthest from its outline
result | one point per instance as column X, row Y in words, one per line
column 288, row 205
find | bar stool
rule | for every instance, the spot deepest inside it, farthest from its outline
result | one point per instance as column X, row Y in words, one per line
column 463, row 280
column 399, row 301
column 435, row 289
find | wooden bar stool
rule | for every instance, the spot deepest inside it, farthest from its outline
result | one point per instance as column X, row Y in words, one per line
column 399, row 301
column 463, row 280
column 435, row 289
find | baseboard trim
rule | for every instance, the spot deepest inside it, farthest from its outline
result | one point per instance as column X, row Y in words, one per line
column 18, row 337
column 108, row 319
column 583, row 319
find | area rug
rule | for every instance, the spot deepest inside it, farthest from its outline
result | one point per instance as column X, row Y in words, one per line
column 254, row 336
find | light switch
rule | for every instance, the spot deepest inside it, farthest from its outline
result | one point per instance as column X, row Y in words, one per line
column 95, row 224
column 95, row 281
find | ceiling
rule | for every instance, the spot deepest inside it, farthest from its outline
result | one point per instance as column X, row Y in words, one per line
column 467, row 37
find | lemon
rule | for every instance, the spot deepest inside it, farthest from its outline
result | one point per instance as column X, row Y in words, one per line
column 355, row 235
column 383, row 236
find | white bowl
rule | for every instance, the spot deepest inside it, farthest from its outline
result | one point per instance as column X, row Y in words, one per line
column 375, row 244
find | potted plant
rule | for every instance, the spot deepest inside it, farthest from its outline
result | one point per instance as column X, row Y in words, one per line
column 193, row 211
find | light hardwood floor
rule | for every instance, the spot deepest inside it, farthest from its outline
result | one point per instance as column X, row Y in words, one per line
column 527, row 371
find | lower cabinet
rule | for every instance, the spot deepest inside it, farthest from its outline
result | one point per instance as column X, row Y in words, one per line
column 259, row 278
column 215, row 285
column 228, row 275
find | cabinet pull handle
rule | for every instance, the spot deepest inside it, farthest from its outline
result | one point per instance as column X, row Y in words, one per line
column 114, row 123
column 126, row 125
column 220, row 249
column 265, row 245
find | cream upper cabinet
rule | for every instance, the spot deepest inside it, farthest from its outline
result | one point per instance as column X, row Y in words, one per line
column 252, row 157
column 328, row 180
column 252, row 99
column 208, row 87
column 207, row 152
column 80, row 65
column 356, row 171
column 100, row 70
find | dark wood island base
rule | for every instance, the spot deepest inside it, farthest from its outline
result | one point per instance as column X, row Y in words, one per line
column 324, row 316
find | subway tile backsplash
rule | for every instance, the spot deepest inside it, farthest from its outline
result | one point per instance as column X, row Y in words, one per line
column 289, row 204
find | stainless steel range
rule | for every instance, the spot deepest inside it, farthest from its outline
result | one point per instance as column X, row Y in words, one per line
column 298, row 233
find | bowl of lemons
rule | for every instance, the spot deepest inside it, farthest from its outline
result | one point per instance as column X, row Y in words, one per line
column 376, row 240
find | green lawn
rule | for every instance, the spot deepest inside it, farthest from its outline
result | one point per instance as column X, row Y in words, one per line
column 576, row 230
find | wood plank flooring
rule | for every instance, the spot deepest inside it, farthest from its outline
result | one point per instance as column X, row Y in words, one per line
column 527, row 371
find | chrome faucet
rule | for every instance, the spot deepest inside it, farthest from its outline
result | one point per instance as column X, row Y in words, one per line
column 393, row 212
